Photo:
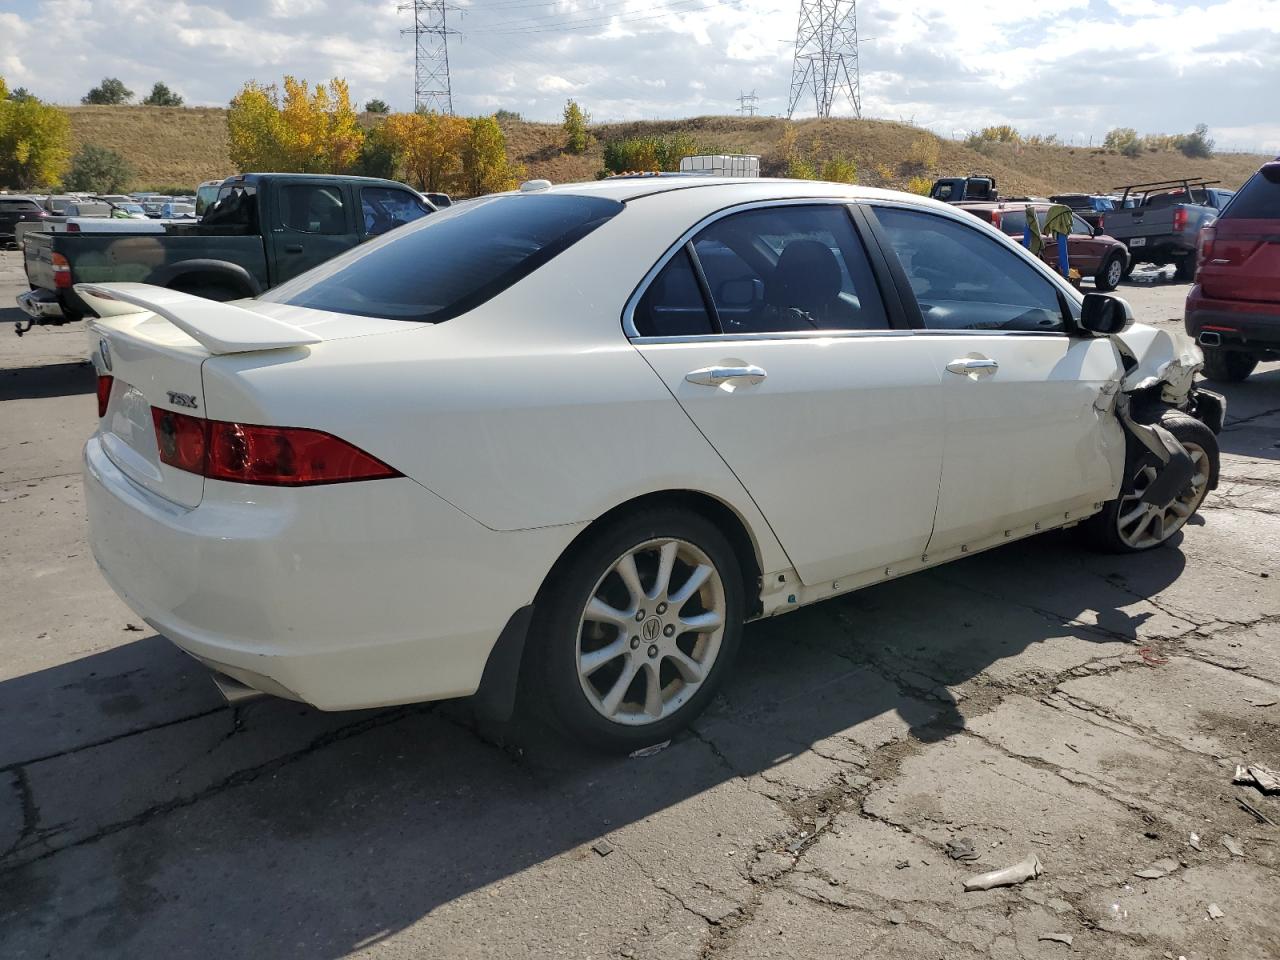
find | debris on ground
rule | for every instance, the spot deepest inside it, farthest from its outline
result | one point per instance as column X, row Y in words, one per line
column 1161, row 868
column 133, row 628
column 1215, row 912
column 1255, row 774
column 1254, row 812
column 602, row 847
column 1261, row 703
column 1019, row 872
column 1151, row 658
column 902, row 864
column 962, row 849
column 896, row 917
column 1234, row 846
column 1194, row 840
column 650, row 751
column 1057, row 938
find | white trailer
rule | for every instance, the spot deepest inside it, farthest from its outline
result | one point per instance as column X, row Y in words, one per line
column 722, row 165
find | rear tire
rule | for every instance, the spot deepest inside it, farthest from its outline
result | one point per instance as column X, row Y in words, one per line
column 1122, row 526
column 617, row 661
column 1133, row 263
column 1184, row 268
column 1227, row 366
column 1112, row 271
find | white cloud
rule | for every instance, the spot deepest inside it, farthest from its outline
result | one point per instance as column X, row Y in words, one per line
column 1074, row 67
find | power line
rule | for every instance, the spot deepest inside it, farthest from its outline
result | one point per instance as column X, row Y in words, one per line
column 663, row 10
column 826, row 57
column 432, row 89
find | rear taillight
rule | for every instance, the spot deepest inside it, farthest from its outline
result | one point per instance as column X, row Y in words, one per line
column 73, row 228
column 104, row 394
column 248, row 453
column 61, row 271
column 1179, row 219
column 996, row 217
column 1204, row 245
column 1102, row 223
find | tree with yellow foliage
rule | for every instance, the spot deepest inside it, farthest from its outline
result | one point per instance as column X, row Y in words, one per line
column 309, row 131
column 35, row 142
column 430, row 146
column 485, row 166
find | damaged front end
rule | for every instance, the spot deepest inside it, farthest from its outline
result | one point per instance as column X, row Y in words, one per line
column 1160, row 371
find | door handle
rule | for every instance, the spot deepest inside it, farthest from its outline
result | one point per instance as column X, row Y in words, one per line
column 973, row 367
column 716, row 376
column 293, row 248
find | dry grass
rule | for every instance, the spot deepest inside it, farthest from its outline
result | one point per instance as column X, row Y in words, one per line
column 187, row 145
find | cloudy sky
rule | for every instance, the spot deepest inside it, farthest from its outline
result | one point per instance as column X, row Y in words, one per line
column 1071, row 67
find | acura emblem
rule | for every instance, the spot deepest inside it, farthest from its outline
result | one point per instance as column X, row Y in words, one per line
column 652, row 627
column 104, row 351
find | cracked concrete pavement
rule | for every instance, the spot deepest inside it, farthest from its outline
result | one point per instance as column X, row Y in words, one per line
column 1037, row 699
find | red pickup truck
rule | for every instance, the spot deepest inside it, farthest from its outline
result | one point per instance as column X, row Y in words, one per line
column 1233, row 311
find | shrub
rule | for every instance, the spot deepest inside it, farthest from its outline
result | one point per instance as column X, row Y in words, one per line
column 637, row 154
column 923, row 153
column 110, row 92
column 1123, row 140
column 1197, row 143
column 575, row 127
column 798, row 168
column 98, row 170
column 840, row 170
column 377, row 106
column 920, row 185
column 506, row 116
column 162, row 96
column 885, row 171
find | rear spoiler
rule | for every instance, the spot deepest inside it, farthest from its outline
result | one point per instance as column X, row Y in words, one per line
column 218, row 327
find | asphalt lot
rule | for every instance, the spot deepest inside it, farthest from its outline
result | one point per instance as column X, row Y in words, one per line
column 1039, row 699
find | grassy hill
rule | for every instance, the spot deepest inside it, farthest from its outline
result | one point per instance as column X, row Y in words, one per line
column 187, row 145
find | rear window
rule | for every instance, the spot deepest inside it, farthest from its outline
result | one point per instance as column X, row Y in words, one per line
column 1258, row 199
column 451, row 262
column 12, row 205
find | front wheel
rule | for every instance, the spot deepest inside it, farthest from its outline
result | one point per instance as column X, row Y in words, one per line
column 1113, row 270
column 1227, row 366
column 639, row 628
column 1126, row 524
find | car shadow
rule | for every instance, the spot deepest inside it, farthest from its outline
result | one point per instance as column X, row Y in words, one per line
column 1250, row 429
column 160, row 819
column 47, row 380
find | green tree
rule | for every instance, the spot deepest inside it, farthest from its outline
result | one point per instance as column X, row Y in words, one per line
column 20, row 94
column 35, row 142
column 506, row 116
column 485, row 166
column 377, row 106
column 162, row 96
column 98, row 170
column 575, row 127
column 110, row 92
column 378, row 156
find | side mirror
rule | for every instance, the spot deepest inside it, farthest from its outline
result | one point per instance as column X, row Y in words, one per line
column 1104, row 314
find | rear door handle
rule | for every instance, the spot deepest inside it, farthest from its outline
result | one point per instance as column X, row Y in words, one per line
column 973, row 367
column 715, row 376
column 293, row 248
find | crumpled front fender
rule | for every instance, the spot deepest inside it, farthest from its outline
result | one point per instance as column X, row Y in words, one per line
column 1163, row 358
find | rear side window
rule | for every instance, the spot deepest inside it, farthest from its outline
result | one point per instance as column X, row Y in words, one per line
column 450, row 262
column 312, row 208
column 673, row 306
column 1258, row 199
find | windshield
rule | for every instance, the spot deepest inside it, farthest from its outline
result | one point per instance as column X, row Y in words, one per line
column 451, row 262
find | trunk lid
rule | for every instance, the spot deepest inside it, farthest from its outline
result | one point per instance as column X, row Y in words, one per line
column 153, row 342
column 1244, row 261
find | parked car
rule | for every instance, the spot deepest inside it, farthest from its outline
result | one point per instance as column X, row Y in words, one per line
column 153, row 207
column 1162, row 227
column 582, row 433
column 1093, row 253
column 1233, row 311
column 1092, row 209
column 15, row 210
column 263, row 229
column 176, row 210
column 975, row 187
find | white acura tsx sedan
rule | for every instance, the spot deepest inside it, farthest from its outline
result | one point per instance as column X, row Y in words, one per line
column 573, row 437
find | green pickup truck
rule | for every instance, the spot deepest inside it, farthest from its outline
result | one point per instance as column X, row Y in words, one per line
column 263, row 229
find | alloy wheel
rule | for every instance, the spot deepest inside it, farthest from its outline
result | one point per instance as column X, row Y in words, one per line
column 1115, row 272
column 1142, row 525
column 651, row 631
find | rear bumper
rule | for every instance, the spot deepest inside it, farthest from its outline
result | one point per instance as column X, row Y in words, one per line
column 40, row 305
column 1237, row 324
column 342, row 596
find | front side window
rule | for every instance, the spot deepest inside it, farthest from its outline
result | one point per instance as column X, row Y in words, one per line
column 789, row 268
column 966, row 280
column 313, row 208
column 385, row 209
column 450, row 262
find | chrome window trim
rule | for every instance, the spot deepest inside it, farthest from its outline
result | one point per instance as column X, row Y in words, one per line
column 628, row 312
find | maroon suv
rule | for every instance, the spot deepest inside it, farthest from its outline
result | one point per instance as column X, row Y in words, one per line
column 1233, row 311
column 1094, row 254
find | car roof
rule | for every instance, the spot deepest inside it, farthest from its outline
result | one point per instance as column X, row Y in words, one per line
column 716, row 192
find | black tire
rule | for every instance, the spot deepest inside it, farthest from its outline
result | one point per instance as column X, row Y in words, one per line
column 1103, row 529
column 1113, row 270
column 1133, row 263
column 1184, row 267
column 1227, row 366
column 557, row 628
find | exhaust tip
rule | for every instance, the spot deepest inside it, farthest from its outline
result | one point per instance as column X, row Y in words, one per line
column 232, row 690
column 1210, row 339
